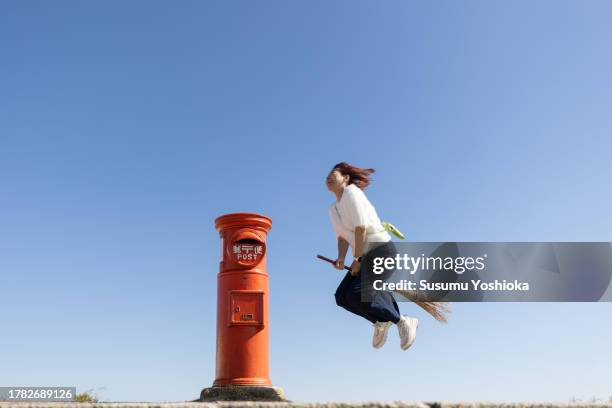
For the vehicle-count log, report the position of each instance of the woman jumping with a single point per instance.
(356, 224)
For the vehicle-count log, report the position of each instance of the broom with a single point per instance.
(437, 310)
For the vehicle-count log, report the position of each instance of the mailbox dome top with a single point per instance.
(243, 219)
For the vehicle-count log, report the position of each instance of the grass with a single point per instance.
(87, 396)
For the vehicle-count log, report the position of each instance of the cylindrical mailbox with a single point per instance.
(242, 301)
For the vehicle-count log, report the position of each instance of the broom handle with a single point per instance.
(331, 261)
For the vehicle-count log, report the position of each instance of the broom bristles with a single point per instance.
(437, 310)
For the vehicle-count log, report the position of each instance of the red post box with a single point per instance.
(242, 355)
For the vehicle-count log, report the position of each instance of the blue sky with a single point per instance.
(127, 127)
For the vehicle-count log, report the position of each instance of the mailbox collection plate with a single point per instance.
(246, 307)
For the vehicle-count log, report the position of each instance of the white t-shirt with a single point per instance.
(353, 210)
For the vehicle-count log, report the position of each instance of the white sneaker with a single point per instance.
(407, 327)
(380, 333)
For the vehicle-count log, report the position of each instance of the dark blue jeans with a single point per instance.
(381, 308)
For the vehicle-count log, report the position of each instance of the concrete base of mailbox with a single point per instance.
(242, 393)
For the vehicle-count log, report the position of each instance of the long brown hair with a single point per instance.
(357, 175)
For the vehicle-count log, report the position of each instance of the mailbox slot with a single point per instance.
(246, 308)
(248, 241)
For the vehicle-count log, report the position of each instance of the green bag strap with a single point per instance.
(393, 229)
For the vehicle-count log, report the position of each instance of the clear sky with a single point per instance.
(127, 127)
